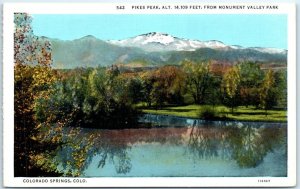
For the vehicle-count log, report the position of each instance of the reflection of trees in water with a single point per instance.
(113, 146)
(250, 144)
(73, 154)
(246, 144)
(204, 142)
(248, 148)
(74, 157)
(117, 155)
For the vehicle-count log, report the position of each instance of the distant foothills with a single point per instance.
(157, 49)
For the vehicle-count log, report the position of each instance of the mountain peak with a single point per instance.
(158, 41)
(154, 37)
(151, 34)
(89, 37)
(215, 44)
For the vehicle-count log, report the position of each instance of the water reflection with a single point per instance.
(250, 144)
(246, 144)
(204, 142)
(117, 155)
(113, 146)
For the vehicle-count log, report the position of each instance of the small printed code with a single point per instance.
(264, 180)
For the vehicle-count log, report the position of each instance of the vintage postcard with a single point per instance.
(149, 95)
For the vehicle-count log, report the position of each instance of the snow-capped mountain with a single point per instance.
(155, 41)
(269, 50)
(155, 49)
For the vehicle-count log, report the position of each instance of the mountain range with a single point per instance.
(154, 49)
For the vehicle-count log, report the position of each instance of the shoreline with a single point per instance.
(224, 118)
(216, 120)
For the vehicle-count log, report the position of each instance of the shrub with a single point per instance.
(208, 113)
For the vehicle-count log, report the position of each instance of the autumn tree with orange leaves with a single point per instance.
(33, 79)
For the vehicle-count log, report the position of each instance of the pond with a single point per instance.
(181, 147)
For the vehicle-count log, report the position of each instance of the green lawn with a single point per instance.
(240, 113)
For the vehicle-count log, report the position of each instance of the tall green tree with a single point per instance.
(267, 93)
(198, 79)
(231, 82)
(147, 80)
(135, 90)
(251, 77)
(281, 88)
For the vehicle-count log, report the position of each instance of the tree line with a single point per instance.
(242, 84)
(106, 97)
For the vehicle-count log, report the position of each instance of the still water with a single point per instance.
(183, 147)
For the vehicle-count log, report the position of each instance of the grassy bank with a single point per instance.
(240, 113)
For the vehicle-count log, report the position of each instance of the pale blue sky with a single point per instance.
(245, 30)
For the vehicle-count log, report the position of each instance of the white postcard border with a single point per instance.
(107, 8)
